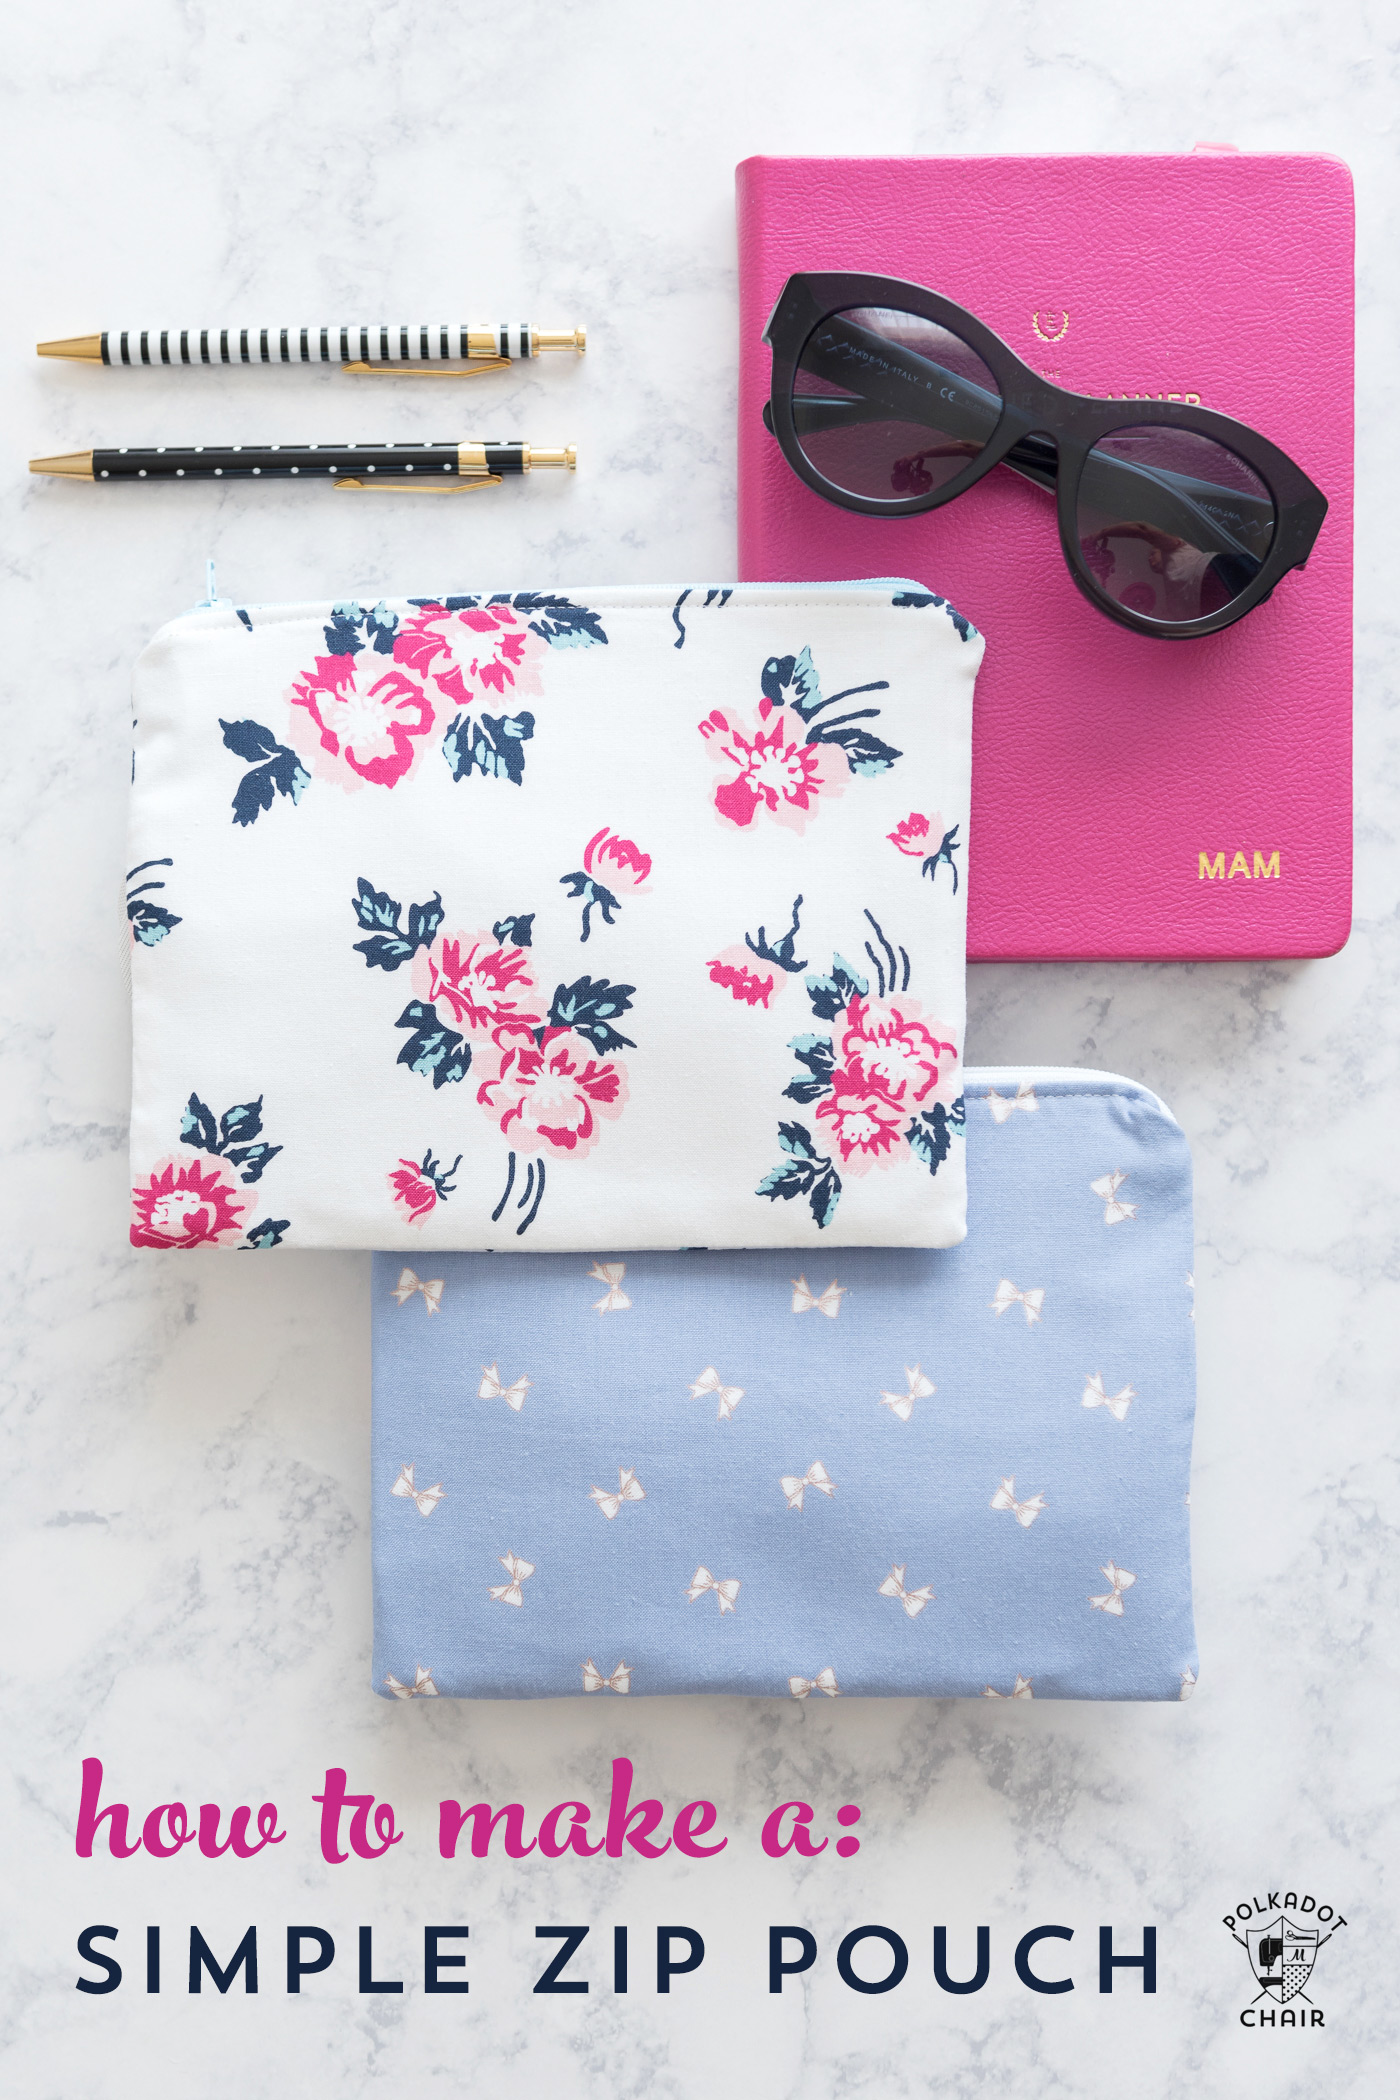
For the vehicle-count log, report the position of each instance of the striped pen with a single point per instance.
(430, 349)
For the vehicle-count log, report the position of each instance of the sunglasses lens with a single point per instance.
(889, 406)
(1172, 525)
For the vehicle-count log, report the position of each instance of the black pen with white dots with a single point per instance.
(441, 469)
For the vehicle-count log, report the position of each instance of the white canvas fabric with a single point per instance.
(552, 920)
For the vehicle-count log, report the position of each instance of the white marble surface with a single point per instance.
(185, 1539)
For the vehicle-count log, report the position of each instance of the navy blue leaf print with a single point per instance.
(388, 947)
(198, 1127)
(343, 631)
(249, 740)
(432, 1050)
(805, 1172)
(282, 774)
(831, 995)
(200, 1130)
(150, 922)
(250, 1160)
(375, 909)
(243, 616)
(865, 754)
(818, 1054)
(965, 627)
(384, 951)
(582, 885)
(424, 921)
(492, 745)
(381, 626)
(557, 621)
(782, 951)
(792, 681)
(589, 1006)
(951, 844)
(932, 1131)
(266, 1233)
(519, 931)
(242, 1122)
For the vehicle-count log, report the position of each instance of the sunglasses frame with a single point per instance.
(1032, 409)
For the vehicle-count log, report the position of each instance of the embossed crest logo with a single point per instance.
(1049, 327)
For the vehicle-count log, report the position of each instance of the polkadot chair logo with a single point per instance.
(1283, 1934)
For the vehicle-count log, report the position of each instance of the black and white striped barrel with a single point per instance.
(380, 343)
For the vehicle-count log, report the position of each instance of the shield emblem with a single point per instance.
(1281, 1955)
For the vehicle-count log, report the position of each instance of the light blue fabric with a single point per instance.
(611, 1390)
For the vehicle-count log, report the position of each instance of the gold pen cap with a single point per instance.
(86, 347)
(559, 339)
(75, 466)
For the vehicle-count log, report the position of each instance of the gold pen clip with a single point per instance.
(458, 486)
(484, 358)
(479, 365)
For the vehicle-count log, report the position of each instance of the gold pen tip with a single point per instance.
(75, 466)
(86, 347)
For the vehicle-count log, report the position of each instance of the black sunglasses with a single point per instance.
(890, 400)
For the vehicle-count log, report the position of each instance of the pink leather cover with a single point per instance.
(1105, 763)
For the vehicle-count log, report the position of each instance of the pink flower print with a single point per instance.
(617, 861)
(770, 769)
(419, 1185)
(551, 1094)
(188, 1203)
(899, 1050)
(359, 718)
(471, 652)
(918, 835)
(478, 983)
(732, 969)
(866, 1126)
(912, 835)
(621, 862)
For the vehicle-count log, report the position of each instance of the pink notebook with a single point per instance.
(1131, 797)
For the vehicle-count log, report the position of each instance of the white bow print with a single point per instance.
(1002, 1107)
(804, 1300)
(610, 1273)
(1188, 1684)
(1108, 1186)
(426, 1498)
(519, 1571)
(1112, 1600)
(912, 1600)
(1020, 1690)
(491, 1388)
(408, 1283)
(422, 1686)
(816, 1476)
(726, 1592)
(824, 1681)
(1096, 1396)
(1008, 1295)
(1025, 1512)
(729, 1395)
(920, 1388)
(595, 1681)
(629, 1489)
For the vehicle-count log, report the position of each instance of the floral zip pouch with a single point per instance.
(553, 919)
